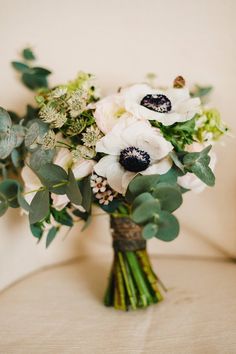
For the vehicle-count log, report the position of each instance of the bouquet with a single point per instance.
(133, 154)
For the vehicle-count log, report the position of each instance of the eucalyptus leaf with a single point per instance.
(54, 177)
(19, 131)
(169, 196)
(21, 200)
(9, 188)
(62, 217)
(204, 173)
(141, 184)
(34, 81)
(3, 204)
(5, 121)
(20, 66)
(7, 144)
(32, 134)
(146, 211)
(168, 226)
(28, 54)
(37, 230)
(141, 199)
(149, 230)
(39, 207)
(72, 189)
(41, 71)
(41, 157)
(86, 191)
(15, 158)
(51, 235)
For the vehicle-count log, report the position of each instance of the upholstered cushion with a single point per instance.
(59, 311)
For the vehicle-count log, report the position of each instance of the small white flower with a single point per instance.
(189, 180)
(91, 136)
(132, 147)
(98, 183)
(78, 102)
(165, 106)
(49, 140)
(105, 198)
(59, 92)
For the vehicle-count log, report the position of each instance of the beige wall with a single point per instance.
(120, 41)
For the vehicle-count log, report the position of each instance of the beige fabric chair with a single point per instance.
(59, 311)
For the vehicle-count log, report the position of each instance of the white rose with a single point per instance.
(108, 111)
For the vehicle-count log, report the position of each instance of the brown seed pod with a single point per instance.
(179, 82)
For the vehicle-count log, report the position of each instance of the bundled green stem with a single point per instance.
(132, 283)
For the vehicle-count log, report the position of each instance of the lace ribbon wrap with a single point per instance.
(126, 235)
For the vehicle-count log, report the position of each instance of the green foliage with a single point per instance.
(141, 184)
(5, 121)
(32, 77)
(62, 217)
(53, 177)
(201, 91)
(72, 189)
(209, 124)
(153, 199)
(168, 195)
(168, 226)
(9, 188)
(198, 163)
(3, 204)
(51, 235)
(39, 207)
(150, 230)
(179, 134)
(11, 136)
(85, 189)
(37, 230)
(27, 54)
(41, 157)
(146, 211)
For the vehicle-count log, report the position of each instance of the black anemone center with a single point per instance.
(157, 103)
(134, 159)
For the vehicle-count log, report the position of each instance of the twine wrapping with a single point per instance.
(126, 235)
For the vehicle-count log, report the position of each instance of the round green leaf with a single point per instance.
(149, 231)
(168, 226)
(41, 157)
(20, 134)
(169, 196)
(146, 211)
(5, 121)
(141, 184)
(9, 188)
(144, 197)
(8, 142)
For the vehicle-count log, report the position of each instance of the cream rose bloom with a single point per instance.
(189, 180)
(108, 111)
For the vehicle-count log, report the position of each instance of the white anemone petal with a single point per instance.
(103, 165)
(160, 167)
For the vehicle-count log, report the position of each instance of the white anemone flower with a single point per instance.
(132, 147)
(190, 180)
(80, 168)
(165, 106)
